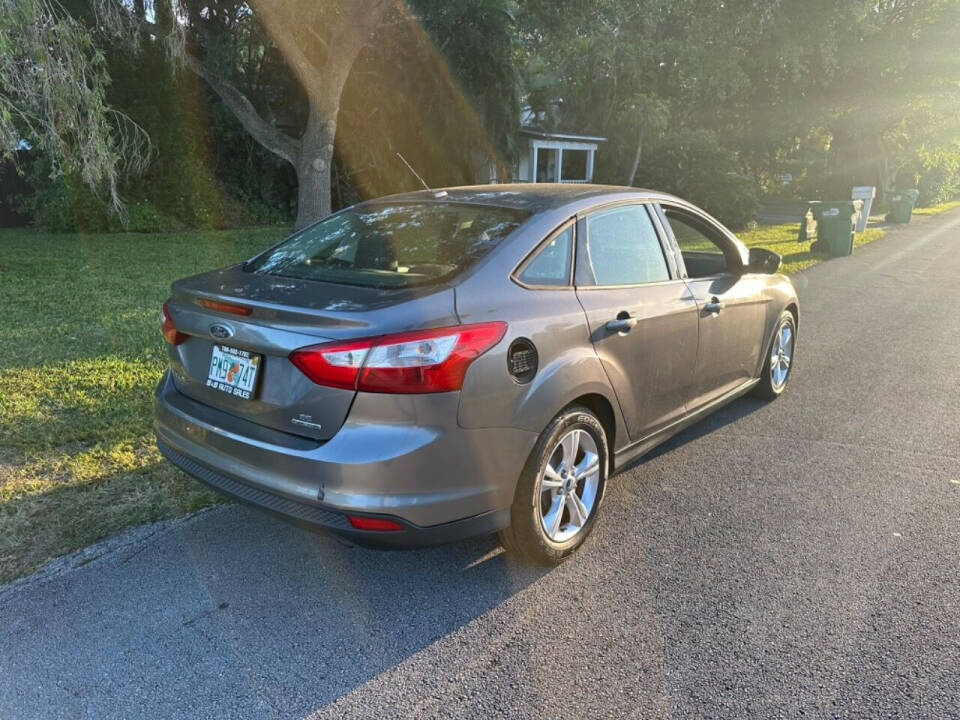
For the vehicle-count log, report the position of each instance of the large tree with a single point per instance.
(318, 42)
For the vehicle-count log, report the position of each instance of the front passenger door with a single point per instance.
(642, 317)
(730, 303)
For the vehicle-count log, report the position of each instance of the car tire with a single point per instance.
(774, 378)
(546, 522)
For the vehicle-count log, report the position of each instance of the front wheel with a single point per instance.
(559, 491)
(779, 359)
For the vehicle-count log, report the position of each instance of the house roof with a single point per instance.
(534, 132)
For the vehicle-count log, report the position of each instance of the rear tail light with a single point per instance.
(369, 523)
(170, 332)
(223, 307)
(422, 361)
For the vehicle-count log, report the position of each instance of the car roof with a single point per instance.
(532, 197)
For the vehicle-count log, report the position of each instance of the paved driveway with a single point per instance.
(774, 560)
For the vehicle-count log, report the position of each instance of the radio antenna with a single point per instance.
(415, 174)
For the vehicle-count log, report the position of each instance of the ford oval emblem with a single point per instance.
(219, 330)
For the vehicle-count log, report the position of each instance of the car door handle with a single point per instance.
(621, 324)
(714, 306)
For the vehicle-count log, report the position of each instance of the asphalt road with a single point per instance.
(797, 558)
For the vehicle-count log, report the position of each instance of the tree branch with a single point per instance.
(262, 131)
(281, 28)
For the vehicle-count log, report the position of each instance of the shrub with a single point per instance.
(64, 204)
(935, 174)
(939, 183)
(695, 165)
(143, 217)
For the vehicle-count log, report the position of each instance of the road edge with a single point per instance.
(129, 539)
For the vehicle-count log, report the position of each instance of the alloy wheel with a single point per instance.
(781, 354)
(568, 485)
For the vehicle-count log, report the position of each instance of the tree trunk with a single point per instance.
(885, 177)
(636, 159)
(313, 166)
(312, 154)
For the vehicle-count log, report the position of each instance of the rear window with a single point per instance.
(391, 245)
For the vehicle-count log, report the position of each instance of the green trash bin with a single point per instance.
(836, 226)
(901, 206)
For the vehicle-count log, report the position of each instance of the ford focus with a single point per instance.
(440, 364)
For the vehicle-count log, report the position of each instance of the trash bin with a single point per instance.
(836, 227)
(901, 206)
(866, 193)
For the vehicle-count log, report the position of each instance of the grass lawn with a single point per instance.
(782, 239)
(937, 209)
(80, 354)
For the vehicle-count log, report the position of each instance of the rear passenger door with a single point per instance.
(642, 316)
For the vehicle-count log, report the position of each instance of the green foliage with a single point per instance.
(62, 203)
(936, 175)
(143, 217)
(441, 89)
(697, 166)
(835, 92)
(53, 81)
(868, 97)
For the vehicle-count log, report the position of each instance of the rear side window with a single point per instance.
(623, 248)
(551, 265)
(380, 245)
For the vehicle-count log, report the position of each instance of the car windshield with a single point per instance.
(396, 245)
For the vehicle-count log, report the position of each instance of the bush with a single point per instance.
(143, 217)
(696, 166)
(935, 174)
(63, 204)
(939, 183)
(66, 204)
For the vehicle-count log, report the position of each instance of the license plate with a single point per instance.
(233, 371)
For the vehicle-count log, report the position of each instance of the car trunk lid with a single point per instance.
(283, 315)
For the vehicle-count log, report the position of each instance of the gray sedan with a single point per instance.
(440, 364)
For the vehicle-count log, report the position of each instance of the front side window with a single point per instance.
(551, 264)
(623, 248)
(702, 253)
(391, 246)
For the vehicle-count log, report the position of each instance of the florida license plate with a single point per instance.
(233, 371)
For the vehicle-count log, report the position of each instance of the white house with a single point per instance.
(557, 157)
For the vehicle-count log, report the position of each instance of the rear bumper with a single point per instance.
(399, 457)
(319, 518)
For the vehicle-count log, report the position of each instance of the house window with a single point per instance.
(574, 168)
(546, 165)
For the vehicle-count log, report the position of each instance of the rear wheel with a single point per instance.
(558, 495)
(779, 359)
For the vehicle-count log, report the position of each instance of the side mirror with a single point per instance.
(763, 261)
